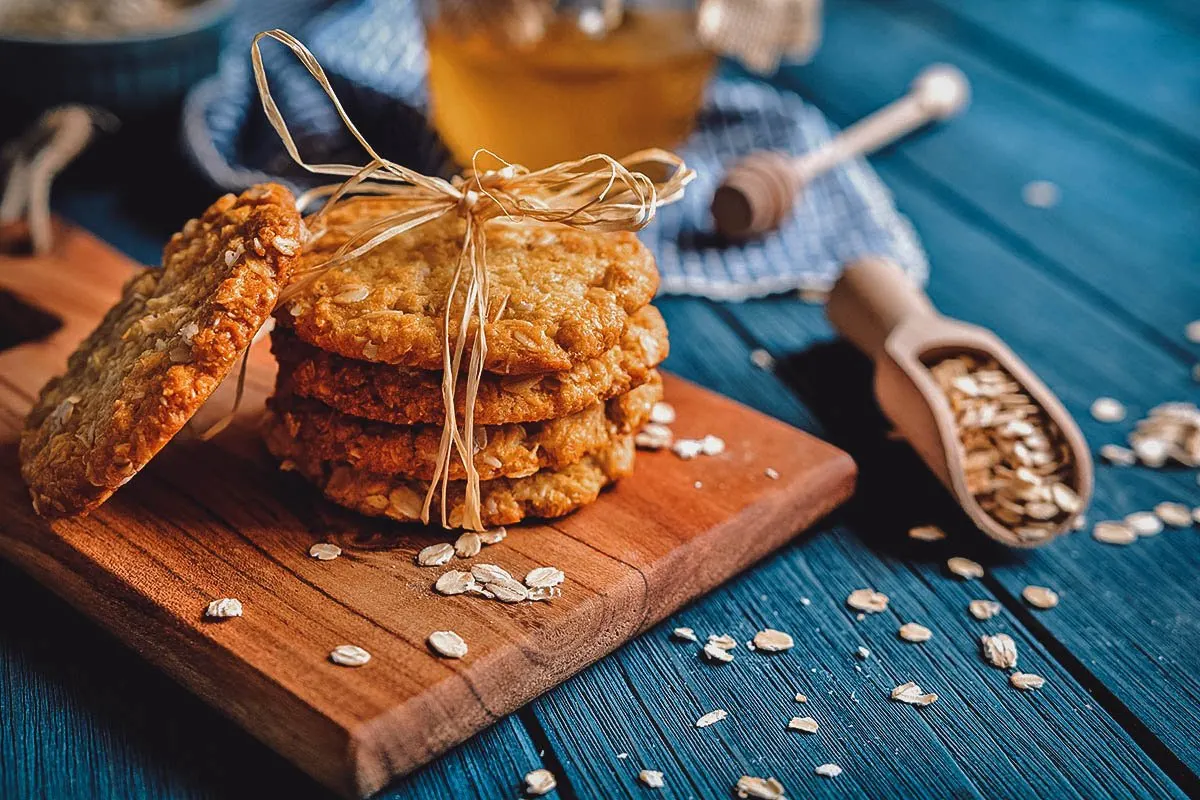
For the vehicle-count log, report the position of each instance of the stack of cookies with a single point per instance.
(572, 346)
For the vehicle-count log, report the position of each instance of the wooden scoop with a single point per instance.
(758, 192)
(882, 313)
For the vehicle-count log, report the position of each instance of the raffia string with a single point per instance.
(596, 193)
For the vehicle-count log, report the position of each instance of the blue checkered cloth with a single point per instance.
(373, 52)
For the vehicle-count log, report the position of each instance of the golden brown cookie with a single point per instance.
(160, 351)
(505, 451)
(409, 397)
(503, 501)
(558, 296)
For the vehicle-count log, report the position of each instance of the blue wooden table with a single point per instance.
(1102, 97)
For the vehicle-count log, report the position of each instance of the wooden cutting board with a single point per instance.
(218, 519)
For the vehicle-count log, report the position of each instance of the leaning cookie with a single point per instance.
(502, 451)
(559, 296)
(503, 501)
(160, 351)
(411, 396)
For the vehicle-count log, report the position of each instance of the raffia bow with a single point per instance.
(596, 193)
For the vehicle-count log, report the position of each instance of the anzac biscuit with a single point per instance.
(410, 397)
(503, 501)
(558, 296)
(160, 351)
(503, 451)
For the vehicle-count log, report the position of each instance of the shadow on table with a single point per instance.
(896, 491)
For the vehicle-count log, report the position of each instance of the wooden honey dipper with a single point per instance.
(758, 192)
(877, 307)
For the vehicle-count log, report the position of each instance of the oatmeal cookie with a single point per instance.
(504, 451)
(409, 397)
(160, 351)
(503, 501)
(558, 296)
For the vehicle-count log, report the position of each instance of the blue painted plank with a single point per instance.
(1134, 612)
(1126, 223)
(980, 734)
(1117, 60)
(82, 716)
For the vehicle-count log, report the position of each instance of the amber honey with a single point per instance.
(568, 95)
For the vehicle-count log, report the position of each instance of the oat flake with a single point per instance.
(324, 551)
(714, 652)
(1177, 515)
(999, 649)
(435, 555)
(828, 770)
(712, 717)
(1040, 596)
(540, 782)
(867, 600)
(1144, 523)
(685, 634)
(494, 536)
(224, 608)
(662, 413)
(448, 644)
(468, 545)
(912, 694)
(926, 533)
(1113, 533)
(759, 788)
(914, 632)
(1106, 409)
(803, 724)
(652, 778)
(983, 609)
(1026, 681)
(964, 568)
(773, 641)
(544, 577)
(800, 698)
(349, 655)
(455, 582)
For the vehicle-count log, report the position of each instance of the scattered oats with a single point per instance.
(913, 694)
(1151, 452)
(652, 778)
(1113, 533)
(862, 653)
(867, 600)
(828, 770)
(1040, 596)
(762, 359)
(448, 644)
(964, 568)
(1192, 331)
(1196, 515)
(1026, 681)
(1040, 194)
(494, 536)
(468, 545)
(698, 485)
(983, 609)
(487, 573)
(759, 788)
(539, 782)
(224, 608)
(1079, 523)
(685, 634)
(324, 551)
(773, 641)
(1000, 650)
(771, 473)
(455, 582)
(712, 445)
(349, 655)
(1144, 523)
(1177, 515)
(724, 641)
(687, 449)
(654, 437)
(800, 698)
(926, 533)
(435, 555)
(719, 654)
(663, 413)
(804, 601)
(622, 756)
(1118, 456)
(913, 632)
(803, 724)
(544, 577)
(1106, 409)
(711, 717)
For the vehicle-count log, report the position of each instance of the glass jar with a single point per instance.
(538, 82)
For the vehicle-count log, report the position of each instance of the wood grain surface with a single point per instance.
(209, 520)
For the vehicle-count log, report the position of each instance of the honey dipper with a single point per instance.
(886, 316)
(757, 193)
